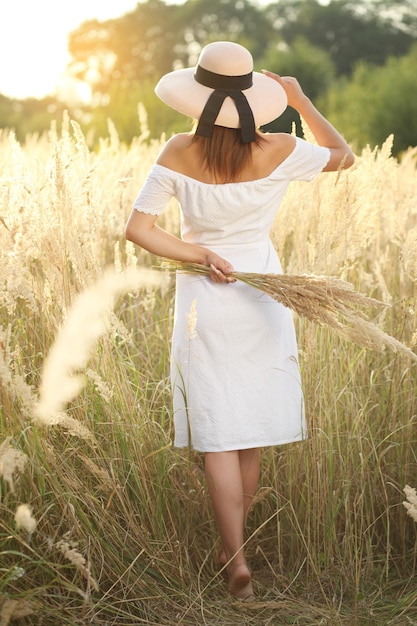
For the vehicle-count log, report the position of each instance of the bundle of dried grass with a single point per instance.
(324, 300)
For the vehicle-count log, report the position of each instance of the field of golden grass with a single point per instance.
(101, 520)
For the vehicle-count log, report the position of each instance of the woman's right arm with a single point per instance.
(142, 230)
(341, 156)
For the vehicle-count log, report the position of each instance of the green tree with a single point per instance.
(123, 110)
(136, 46)
(349, 31)
(233, 20)
(377, 101)
(311, 65)
(156, 38)
(29, 116)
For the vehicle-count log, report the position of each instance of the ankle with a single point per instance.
(236, 557)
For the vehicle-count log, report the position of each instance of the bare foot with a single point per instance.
(221, 564)
(240, 583)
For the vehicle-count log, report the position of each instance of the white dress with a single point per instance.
(234, 362)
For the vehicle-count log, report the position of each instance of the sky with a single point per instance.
(33, 40)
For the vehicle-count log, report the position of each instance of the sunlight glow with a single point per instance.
(33, 43)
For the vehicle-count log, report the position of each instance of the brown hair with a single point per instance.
(224, 154)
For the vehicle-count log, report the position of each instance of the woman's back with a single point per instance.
(185, 156)
(237, 213)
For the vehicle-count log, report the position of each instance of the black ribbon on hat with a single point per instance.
(225, 86)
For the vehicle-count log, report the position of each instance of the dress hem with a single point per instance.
(232, 447)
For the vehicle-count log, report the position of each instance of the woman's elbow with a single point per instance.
(348, 160)
(340, 159)
(139, 228)
(129, 235)
(132, 227)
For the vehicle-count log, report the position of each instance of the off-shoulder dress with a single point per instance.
(234, 362)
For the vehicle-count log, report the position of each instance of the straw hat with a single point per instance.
(225, 68)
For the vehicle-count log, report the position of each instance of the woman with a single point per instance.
(235, 376)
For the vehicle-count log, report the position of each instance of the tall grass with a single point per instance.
(118, 528)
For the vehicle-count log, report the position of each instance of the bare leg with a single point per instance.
(230, 504)
(249, 471)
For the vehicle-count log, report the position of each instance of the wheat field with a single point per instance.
(101, 520)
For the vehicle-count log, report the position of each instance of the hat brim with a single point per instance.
(184, 94)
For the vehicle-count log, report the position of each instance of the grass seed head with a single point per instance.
(11, 461)
(24, 519)
(411, 502)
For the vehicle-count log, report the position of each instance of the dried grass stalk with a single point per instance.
(324, 300)
(70, 550)
(86, 321)
(12, 609)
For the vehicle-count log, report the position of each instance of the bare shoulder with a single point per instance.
(173, 149)
(274, 149)
(281, 143)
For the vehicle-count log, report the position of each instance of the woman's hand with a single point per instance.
(219, 269)
(295, 95)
